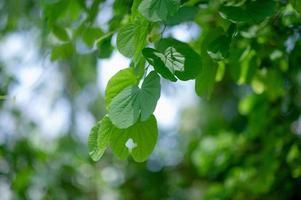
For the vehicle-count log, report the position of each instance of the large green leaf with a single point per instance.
(133, 102)
(132, 37)
(118, 82)
(251, 11)
(138, 140)
(99, 138)
(158, 10)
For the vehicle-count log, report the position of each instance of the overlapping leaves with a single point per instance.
(173, 58)
(129, 127)
(133, 102)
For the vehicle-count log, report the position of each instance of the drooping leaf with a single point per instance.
(158, 10)
(118, 82)
(133, 102)
(132, 37)
(99, 138)
(251, 11)
(138, 140)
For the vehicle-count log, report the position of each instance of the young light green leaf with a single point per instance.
(138, 140)
(133, 102)
(251, 11)
(99, 138)
(158, 10)
(178, 53)
(132, 38)
(118, 82)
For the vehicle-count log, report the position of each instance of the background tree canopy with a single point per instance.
(153, 137)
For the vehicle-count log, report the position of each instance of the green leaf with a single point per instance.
(105, 48)
(62, 52)
(118, 82)
(132, 38)
(251, 11)
(60, 33)
(138, 140)
(204, 82)
(154, 58)
(133, 102)
(99, 138)
(90, 35)
(158, 10)
(172, 60)
(177, 58)
(219, 48)
(297, 5)
(184, 14)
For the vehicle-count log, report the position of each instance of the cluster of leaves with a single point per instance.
(130, 107)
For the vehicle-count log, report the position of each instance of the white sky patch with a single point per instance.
(109, 67)
(184, 32)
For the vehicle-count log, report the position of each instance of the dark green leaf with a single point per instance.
(192, 60)
(251, 11)
(153, 57)
(184, 14)
(219, 48)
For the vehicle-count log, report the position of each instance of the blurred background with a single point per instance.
(242, 143)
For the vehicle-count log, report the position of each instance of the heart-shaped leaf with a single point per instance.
(133, 102)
